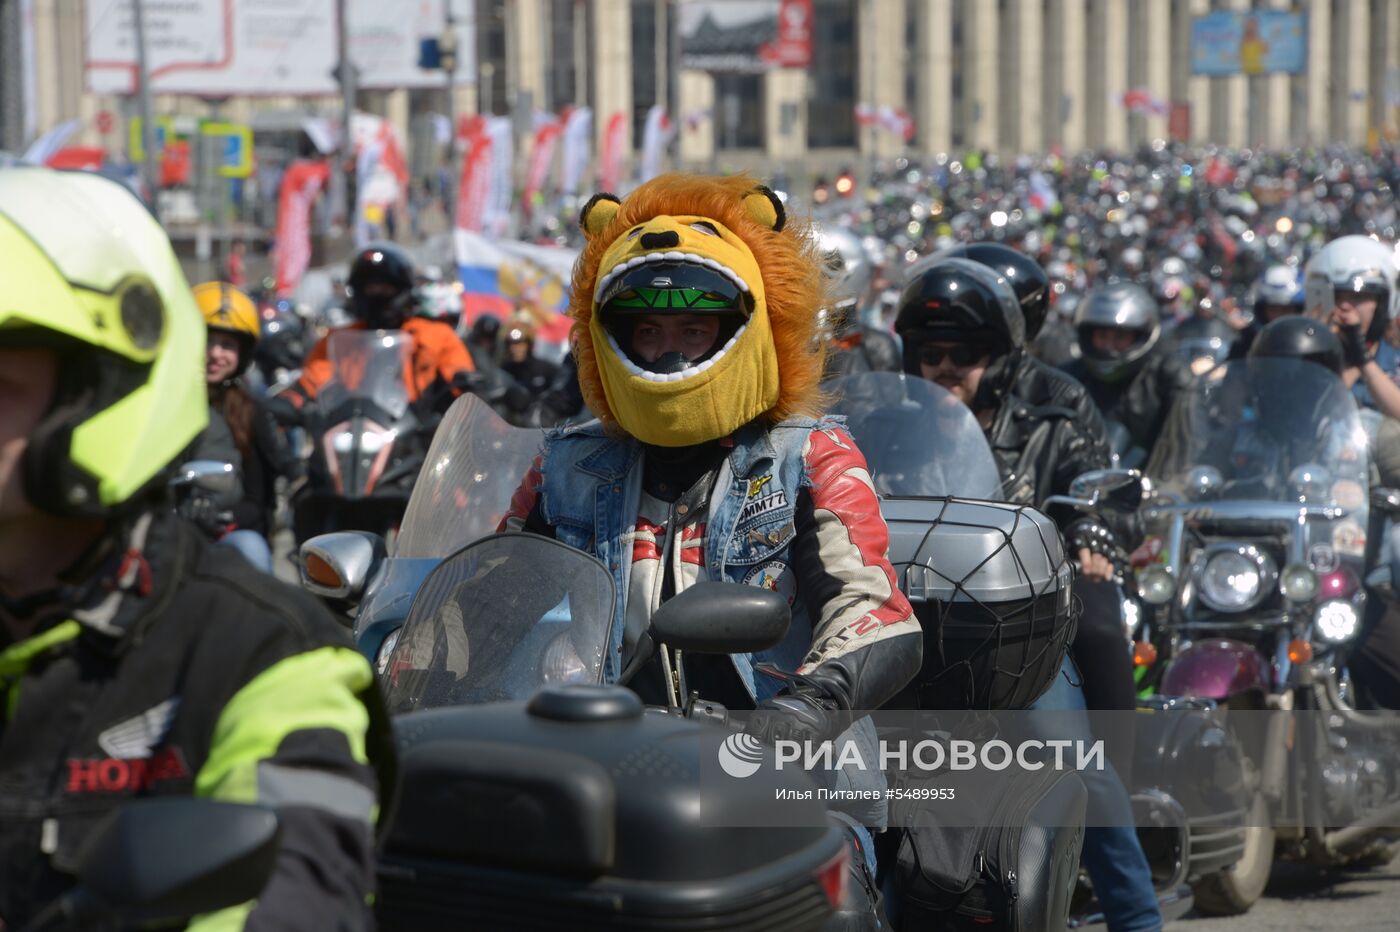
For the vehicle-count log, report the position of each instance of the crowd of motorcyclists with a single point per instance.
(1070, 327)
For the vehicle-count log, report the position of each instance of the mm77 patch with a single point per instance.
(755, 507)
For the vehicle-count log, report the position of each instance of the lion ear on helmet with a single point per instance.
(764, 205)
(598, 213)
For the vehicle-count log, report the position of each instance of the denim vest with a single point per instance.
(591, 492)
(590, 495)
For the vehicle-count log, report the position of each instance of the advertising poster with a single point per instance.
(223, 48)
(1249, 42)
(745, 36)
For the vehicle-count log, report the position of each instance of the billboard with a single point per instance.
(1249, 42)
(745, 36)
(222, 48)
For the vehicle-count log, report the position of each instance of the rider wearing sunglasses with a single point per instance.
(963, 327)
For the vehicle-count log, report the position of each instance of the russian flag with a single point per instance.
(501, 276)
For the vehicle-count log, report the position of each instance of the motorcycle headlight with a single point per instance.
(1235, 577)
(1298, 583)
(1337, 621)
(1156, 585)
(381, 657)
(1311, 482)
(561, 663)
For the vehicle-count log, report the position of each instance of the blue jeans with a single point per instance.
(1112, 854)
(252, 545)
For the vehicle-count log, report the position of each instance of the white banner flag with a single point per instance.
(578, 138)
(655, 137)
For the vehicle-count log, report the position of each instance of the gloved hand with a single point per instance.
(485, 385)
(283, 411)
(205, 514)
(802, 712)
(1088, 534)
(1354, 351)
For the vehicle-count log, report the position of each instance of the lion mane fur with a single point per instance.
(793, 284)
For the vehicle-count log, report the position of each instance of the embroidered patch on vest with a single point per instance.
(776, 577)
(762, 506)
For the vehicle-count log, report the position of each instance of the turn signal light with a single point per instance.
(1299, 651)
(321, 573)
(834, 876)
(1144, 654)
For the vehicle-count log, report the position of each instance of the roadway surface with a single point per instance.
(1303, 897)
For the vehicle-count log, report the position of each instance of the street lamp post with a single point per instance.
(447, 60)
(148, 128)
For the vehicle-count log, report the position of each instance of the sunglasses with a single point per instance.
(962, 354)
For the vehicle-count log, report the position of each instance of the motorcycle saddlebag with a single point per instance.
(990, 585)
(1014, 870)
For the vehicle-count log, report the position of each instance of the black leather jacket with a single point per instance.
(1045, 433)
(876, 351)
(1140, 403)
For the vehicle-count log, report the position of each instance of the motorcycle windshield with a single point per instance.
(475, 463)
(917, 437)
(497, 621)
(370, 365)
(1266, 429)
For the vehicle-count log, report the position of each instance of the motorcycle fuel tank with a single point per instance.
(1215, 669)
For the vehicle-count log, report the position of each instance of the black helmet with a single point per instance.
(484, 331)
(959, 300)
(1027, 278)
(386, 263)
(1299, 338)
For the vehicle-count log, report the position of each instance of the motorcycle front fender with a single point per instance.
(1216, 669)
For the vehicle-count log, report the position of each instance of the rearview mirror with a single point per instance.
(722, 618)
(1386, 500)
(212, 476)
(1120, 489)
(171, 859)
(338, 565)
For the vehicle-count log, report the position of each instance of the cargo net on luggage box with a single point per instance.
(997, 623)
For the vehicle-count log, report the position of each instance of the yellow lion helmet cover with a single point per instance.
(690, 244)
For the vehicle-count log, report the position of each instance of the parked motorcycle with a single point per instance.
(367, 440)
(1260, 524)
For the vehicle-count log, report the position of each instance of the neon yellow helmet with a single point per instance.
(85, 269)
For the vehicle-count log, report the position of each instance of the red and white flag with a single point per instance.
(484, 194)
(541, 157)
(475, 184)
(577, 149)
(611, 171)
(301, 182)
